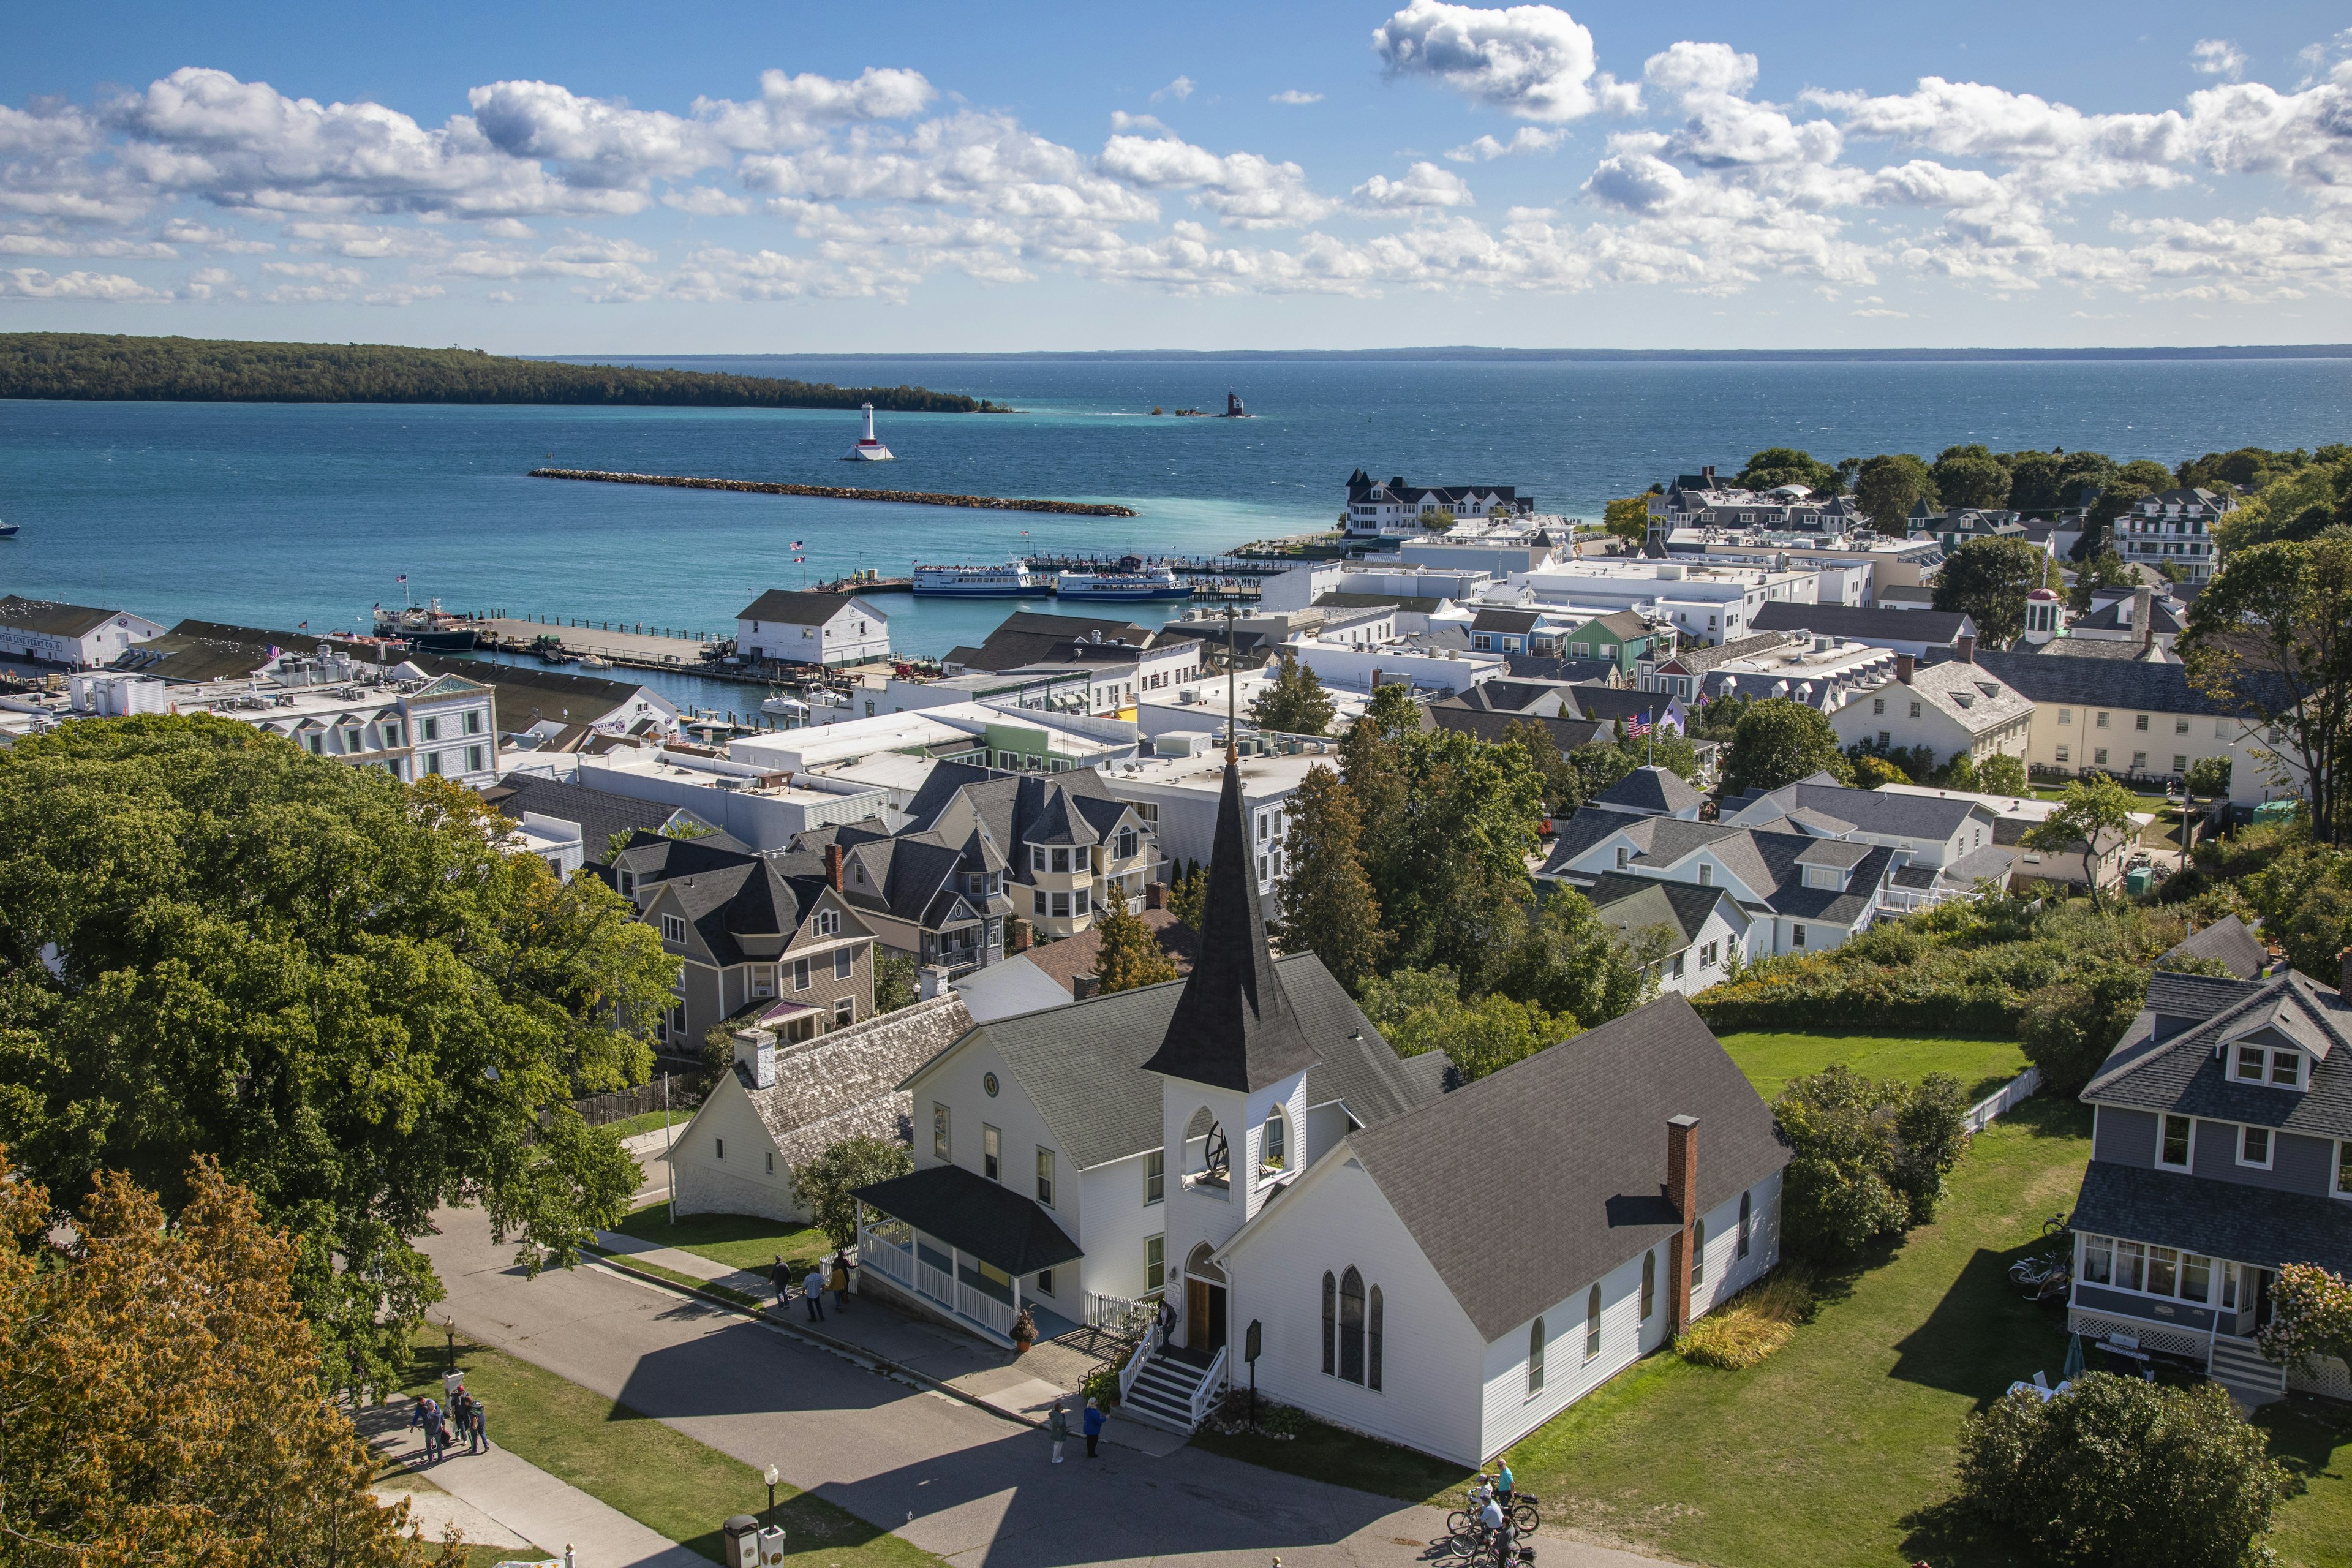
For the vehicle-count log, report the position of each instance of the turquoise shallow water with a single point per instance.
(276, 515)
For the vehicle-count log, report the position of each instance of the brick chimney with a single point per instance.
(1904, 665)
(1707, 475)
(833, 867)
(1155, 895)
(1682, 1196)
(2144, 615)
(2344, 972)
(1085, 986)
(1964, 647)
(1016, 936)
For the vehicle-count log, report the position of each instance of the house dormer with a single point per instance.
(2276, 1047)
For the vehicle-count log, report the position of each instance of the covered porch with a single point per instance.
(963, 1246)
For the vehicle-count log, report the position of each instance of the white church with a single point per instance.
(1446, 1266)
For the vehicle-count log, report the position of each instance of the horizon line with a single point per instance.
(1476, 351)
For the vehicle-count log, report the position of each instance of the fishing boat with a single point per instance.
(8, 530)
(1009, 581)
(592, 662)
(1161, 582)
(427, 626)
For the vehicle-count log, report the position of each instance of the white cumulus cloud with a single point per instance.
(2218, 56)
(1424, 186)
(1534, 61)
(1526, 139)
(1296, 95)
(1180, 90)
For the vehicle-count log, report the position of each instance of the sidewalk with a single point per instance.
(1023, 1388)
(521, 1501)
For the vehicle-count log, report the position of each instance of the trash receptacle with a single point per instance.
(771, 1547)
(2139, 880)
(743, 1541)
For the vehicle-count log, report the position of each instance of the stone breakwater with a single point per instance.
(842, 492)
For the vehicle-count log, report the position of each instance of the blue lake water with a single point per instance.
(272, 514)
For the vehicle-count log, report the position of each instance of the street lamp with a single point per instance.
(771, 1477)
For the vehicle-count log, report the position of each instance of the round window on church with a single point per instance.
(988, 1082)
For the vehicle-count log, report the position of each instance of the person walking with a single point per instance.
(781, 1278)
(478, 1428)
(839, 1282)
(1058, 1423)
(1166, 1320)
(812, 1291)
(1093, 1425)
(428, 1415)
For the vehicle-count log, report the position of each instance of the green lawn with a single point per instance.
(648, 1122)
(1839, 1449)
(738, 1241)
(1770, 1060)
(658, 1477)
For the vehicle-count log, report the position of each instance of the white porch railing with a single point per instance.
(2010, 1095)
(896, 1262)
(1120, 1316)
(1212, 1383)
(1135, 1361)
(983, 1307)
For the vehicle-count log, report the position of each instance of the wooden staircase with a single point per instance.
(2238, 1366)
(1164, 1391)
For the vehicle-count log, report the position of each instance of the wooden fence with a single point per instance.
(621, 1104)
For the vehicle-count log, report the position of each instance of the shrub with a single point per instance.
(2068, 1028)
(2116, 1470)
(2311, 1318)
(1752, 1326)
(826, 1184)
(1101, 1385)
(1871, 1156)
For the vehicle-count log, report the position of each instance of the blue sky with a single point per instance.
(721, 178)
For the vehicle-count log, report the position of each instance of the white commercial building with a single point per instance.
(71, 636)
(1705, 604)
(783, 628)
(1178, 797)
(763, 809)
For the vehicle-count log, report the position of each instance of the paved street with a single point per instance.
(953, 1479)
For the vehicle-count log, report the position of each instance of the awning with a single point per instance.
(973, 1214)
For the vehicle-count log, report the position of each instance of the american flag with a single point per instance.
(1639, 726)
(302, 625)
(401, 578)
(800, 558)
(800, 544)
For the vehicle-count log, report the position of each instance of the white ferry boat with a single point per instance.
(1159, 583)
(1012, 580)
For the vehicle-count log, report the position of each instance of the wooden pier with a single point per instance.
(841, 492)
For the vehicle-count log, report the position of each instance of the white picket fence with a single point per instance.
(2013, 1093)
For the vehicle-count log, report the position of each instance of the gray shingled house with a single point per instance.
(2222, 1150)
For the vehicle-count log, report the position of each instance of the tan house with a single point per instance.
(761, 938)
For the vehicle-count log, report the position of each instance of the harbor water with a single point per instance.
(274, 515)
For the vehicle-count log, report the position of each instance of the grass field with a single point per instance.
(658, 1477)
(1770, 1060)
(649, 1122)
(738, 1241)
(1838, 1450)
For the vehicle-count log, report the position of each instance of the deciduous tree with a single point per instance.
(1779, 742)
(1777, 465)
(1988, 580)
(160, 1390)
(826, 1185)
(1886, 487)
(1869, 1158)
(2273, 638)
(1969, 476)
(1628, 518)
(1328, 904)
(1294, 703)
(340, 986)
(2096, 812)
(2311, 1318)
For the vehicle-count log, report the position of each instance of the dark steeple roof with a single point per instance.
(1233, 1026)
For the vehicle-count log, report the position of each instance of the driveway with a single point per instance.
(957, 1481)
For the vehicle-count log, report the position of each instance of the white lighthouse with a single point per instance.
(868, 449)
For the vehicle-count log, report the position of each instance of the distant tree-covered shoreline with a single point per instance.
(96, 366)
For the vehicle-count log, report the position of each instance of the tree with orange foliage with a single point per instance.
(160, 1398)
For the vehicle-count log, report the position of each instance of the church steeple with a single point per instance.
(1234, 1028)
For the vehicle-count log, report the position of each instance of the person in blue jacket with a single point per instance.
(1093, 1425)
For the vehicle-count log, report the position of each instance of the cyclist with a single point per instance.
(1504, 1481)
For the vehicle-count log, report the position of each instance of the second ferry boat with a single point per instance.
(1011, 581)
(1157, 583)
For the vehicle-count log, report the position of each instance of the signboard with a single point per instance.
(1250, 1341)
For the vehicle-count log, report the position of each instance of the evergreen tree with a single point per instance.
(1130, 954)
(1187, 895)
(1296, 702)
(1327, 905)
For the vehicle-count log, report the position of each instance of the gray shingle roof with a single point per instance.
(1083, 1065)
(2220, 1219)
(788, 608)
(1896, 815)
(2105, 683)
(1512, 621)
(1857, 624)
(2152, 1071)
(600, 812)
(1567, 734)
(2229, 940)
(1632, 904)
(1652, 789)
(49, 617)
(1572, 1141)
(847, 1084)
